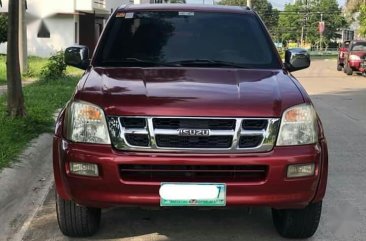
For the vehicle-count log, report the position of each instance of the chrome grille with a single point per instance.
(197, 173)
(163, 134)
(173, 141)
(177, 123)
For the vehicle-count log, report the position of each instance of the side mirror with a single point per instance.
(296, 59)
(77, 56)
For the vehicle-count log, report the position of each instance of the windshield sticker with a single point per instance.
(186, 13)
(129, 15)
(120, 15)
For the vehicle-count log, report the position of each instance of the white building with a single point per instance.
(53, 25)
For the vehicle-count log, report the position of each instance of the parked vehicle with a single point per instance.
(342, 51)
(189, 105)
(355, 57)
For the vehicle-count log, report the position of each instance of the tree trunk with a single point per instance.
(23, 52)
(15, 93)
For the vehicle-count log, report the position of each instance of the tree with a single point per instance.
(262, 7)
(353, 5)
(290, 22)
(15, 106)
(362, 19)
(3, 28)
(307, 14)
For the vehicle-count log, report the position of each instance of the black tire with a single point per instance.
(76, 221)
(348, 70)
(339, 67)
(297, 223)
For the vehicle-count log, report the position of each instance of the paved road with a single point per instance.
(341, 102)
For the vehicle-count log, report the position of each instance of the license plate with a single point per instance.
(192, 194)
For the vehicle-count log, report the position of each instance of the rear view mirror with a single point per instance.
(77, 56)
(296, 59)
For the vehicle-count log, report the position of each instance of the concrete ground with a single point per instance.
(341, 103)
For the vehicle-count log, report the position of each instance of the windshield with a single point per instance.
(174, 38)
(361, 46)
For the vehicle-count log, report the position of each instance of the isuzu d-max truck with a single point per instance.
(188, 105)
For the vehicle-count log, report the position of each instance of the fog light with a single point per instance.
(84, 169)
(300, 170)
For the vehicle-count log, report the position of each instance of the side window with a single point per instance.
(43, 31)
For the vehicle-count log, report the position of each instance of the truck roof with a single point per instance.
(185, 7)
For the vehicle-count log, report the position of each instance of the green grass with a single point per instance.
(42, 99)
(35, 66)
(2, 69)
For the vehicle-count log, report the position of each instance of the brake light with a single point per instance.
(354, 58)
(343, 49)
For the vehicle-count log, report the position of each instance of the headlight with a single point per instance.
(86, 123)
(298, 126)
(354, 58)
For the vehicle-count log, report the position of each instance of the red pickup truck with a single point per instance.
(189, 105)
(355, 58)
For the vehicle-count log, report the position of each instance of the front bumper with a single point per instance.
(355, 65)
(111, 190)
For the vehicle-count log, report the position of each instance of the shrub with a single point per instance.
(55, 67)
(281, 52)
(3, 28)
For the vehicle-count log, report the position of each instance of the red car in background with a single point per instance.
(343, 49)
(355, 57)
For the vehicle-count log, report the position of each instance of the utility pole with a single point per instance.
(303, 28)
(249, 3)
(23, 51)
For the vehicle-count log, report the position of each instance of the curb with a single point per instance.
(24, 186)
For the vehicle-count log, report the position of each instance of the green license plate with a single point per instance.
(192, 194)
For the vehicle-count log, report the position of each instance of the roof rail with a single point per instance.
(247, 8)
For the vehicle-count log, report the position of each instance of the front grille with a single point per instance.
(190, 134)
(133, 122)
(172, 141)
(137, 139)
(363, 62)
(250, 141)
(178, 123)
(196, 173)
(255, 124)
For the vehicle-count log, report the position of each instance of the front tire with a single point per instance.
(297, 223)
(76, 221)
(339, 67)
(348, 70)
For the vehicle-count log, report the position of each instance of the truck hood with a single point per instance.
(190, 92)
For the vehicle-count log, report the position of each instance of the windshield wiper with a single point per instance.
(205, 62)
(132, 62)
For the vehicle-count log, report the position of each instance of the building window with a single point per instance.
(43, 31)
(76, 33)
